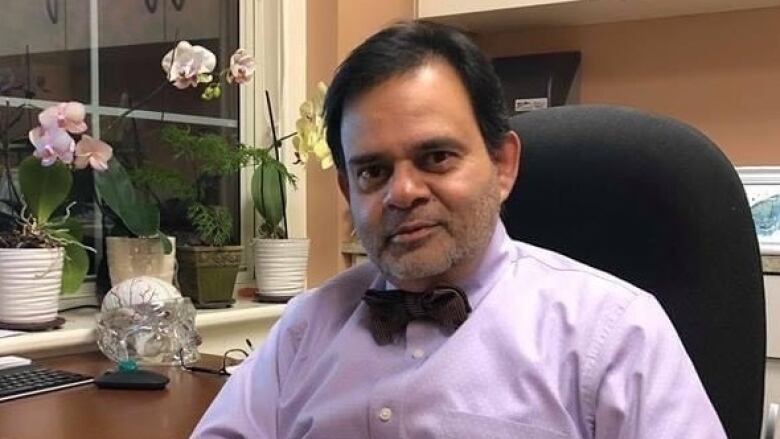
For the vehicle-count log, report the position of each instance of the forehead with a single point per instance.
(429, 101)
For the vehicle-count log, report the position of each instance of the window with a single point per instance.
(106, 54)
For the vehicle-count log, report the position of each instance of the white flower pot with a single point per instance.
(280, 266)
(133, 257)
(30, 284)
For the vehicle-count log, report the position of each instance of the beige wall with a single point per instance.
(334, 27)
(322, 200)
(718, 72)
(358, 19)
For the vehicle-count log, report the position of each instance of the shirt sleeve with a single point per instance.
(646, 386)
(247, 404)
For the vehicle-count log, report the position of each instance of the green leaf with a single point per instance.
(213, 224)
(74, 270)
(76, 264)
(44, 188)
(166, 243)
(73, 228)
(268, 193)
(114, 188)
(160, 180)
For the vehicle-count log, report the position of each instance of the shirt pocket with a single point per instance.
(462, 425)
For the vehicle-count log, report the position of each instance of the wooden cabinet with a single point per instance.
(38, 26)
(498, 15)
(140, 24)
(53, 25)
(441, 8)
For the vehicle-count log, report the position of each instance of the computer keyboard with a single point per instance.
(21, 381)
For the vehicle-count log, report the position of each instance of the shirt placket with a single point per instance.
(422, 338)
(384, 405)
(386, 414)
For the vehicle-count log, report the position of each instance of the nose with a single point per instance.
(407, 188)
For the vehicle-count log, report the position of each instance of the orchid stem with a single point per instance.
(6, 141)
(277, 143)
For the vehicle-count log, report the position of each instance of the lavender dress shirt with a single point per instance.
(553, 349)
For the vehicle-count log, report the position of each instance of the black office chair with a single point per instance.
(653, 201)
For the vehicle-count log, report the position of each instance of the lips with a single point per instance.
(411, 231)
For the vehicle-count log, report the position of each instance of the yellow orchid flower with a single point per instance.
(310, 137)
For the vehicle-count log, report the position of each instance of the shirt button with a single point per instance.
(417, 354)
(385, 414)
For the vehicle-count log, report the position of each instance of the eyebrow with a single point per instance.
(439, 142)
(429, 144)
(364, 159)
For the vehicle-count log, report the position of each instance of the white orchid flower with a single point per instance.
(188, 65)
(242, 67)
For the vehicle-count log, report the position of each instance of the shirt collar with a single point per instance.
(494, 262)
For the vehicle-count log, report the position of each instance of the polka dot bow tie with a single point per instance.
(392, 310)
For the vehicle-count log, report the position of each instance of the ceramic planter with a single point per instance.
(207, 275)
(280, 266)
(133, 257)
(30, 284)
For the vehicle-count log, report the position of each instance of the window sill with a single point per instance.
(78, 332)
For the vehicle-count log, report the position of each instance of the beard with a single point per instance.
(459, 237)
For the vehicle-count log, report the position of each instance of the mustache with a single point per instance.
(394, 223)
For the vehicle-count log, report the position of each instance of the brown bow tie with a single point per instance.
(392, 310)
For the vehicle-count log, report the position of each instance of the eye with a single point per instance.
(438, 160)
(371, 176)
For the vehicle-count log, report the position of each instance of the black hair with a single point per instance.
(403, 47)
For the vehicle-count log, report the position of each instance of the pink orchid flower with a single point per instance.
(242, 67)
(188, 65)
(65, 115)
(51, 144)
(92, 152)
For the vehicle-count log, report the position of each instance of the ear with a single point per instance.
(344, 184)
(507, 162)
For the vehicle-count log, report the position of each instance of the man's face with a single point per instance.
(422, 188)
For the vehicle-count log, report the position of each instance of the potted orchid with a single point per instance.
(279, 281)
(207, 264)
(146, 251)
(40, 251)
(186, 66)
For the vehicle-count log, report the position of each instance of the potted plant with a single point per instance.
(281, 262)
(144, 250)
(207, 264)
(40, 250)
(141, 248)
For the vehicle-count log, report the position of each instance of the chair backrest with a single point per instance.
(653, 201)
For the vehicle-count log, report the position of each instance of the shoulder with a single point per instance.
(554, 277)
(612, 324)
(548, 296)
(596, 309)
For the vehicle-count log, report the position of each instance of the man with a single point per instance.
(542, 347)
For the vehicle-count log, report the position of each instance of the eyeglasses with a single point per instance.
(229, 356)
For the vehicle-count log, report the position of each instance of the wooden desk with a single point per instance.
(88, 412)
